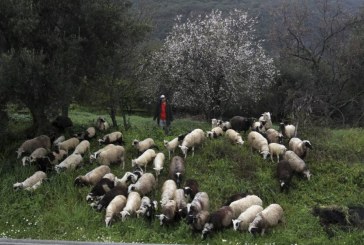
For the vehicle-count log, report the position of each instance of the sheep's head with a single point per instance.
(307, 144)
(162, 218)
(101, 141)
(18, 186)
(79, 181)
(207, 229)
(20, 152)
(135, 142)
(239, 140)
(131, 188)
(124, 215)
(236, 224)
(307, 174)
(184, 149)
(255, 227)
(25, 161)
(165, 143)
(265, 154)
(108, 221)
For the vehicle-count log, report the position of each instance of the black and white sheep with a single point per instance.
(72, 162)
(88, 134)
(244, 203)
(198, 221)
(214, 133)
(297, 164)
(288, 131)
(69, 144)
(177, 169)
(276, 149)
(259, 143)
(126, 179)
(239, 123)
(191, 188)
(132, 205)
(92, 177)
(147, 208)
(105, 185)
(300, 147)
(143, 145)
(267, 218)
(112, 138)
(224, 125)
(284, 175)
(144, 185)
(158, 163)
(108, 197)
(246, 217)
(234, 137)
(192, 140)
(36, 154)
(144, 159)
(28, 146)
(114, 208)
(32, 182)
(218, 220)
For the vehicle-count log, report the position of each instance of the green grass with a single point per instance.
(58, 210)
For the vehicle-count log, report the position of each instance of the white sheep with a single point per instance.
(92, 177)
(276, 149)
(112, 155)
(171, 146)
(143, 145)
(200, 202)
(101, 124)
(158, 163)
(88, 134)
(234, 137)
(215, 123)
(114, 208)
(191, 140)
(266, 117)
(69, 144)
(259, 143)
(181, 201)
(300, 147)
(246, 217)
(297, 164)
(32, 182)
(168, 190)
(273, 136)
(288, 131)
(82, 147)
(144, 185)
(169, 211)
(144, 159)
(267, 218)
(112, 138)
(244, 203)
(29, 146)
(132, 205)
(93, 156)
(59, 140)
(70, 163)
(36, 154)
(214, 133)
(224, 125)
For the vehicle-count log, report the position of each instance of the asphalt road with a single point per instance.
(49, 242)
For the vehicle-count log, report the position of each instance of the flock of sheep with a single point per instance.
(129, 196)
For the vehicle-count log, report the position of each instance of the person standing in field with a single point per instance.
(163, 114)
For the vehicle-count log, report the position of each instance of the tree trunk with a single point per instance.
(41, 123)
(4, 120)
(113, 116)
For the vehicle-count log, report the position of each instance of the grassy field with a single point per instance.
(58, 210)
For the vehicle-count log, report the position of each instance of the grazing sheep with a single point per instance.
(70, 163)
(31, 183)
(266, 117)
(114, 208)
(169, 211)
(82, 147)
(69, 144)
(218, 220)
(234, 197)
(109, 196)
(171, 146)
(128, 176)
(47, 163)
(297, 164)
(276, 149)
(94, 155)
(132, 205)
(92, 177)
(215, 123)
(179, 197)
(199, 203)
(246, 217)
(192, 140)
(158, 164)
(259, 143)
(214, 133)
(144, 185)
(88, 134)
(239, 123)
(112, 155)
(273, 136)
(234, 137)
(191, 189)
(59, 140)
(168, 190)
(103, 186)
(300, 147)
(177, 169)
(147, 208)
(224, 125)
(284, 174)
(101, 124)
(144, 145)
(144, 159)
(198, 221)
(112, 138)
(267, 218)
(36, 154)
(259, 127)
(243, 204)
(31, 145)
(288, 131)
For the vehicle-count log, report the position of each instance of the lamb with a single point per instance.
(246, 217)
(82, 147)
(31, 183)
(103, 186)
(108, 197)
(234, 137)
(114, 208)
(31, 145)
(69, 144)
(112, 138)
(243, 204)
(198, 221)
(214, 133)
(273, 136)
(258, 142)
(193, 139)
(101, 124)
(224, 125)
(266, 117)
(88, 134)
(147, 208)
(144, 145)
(297, 164)
(177, 169)
(71, 162)
(218, 220)
(300, 147)
(94, 155)
(112, 155)
(36, 154)
(267, 218)
(168, 190)
(259, 126)
(239, 123)
(59, 140)
(288, 131)
(276, 149)
(191, 189)
(284, 174)
(92, 177)
(171, 146)
(158, 164)
(132, 205)
(144, 159)
(144, 185)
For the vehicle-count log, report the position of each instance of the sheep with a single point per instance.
(158, 164)
(259, 126)
(177, 169)
(101, 124)
(199, 203)
(112, 138)
(144, 145)
(246, 217)
(92, 177)
(297, 164)
(215, 122)
(32, 182)
(193, 139)
(59, 140)
(267, 218)
(218, 220)
(171, 146)
(273, 136)
(284, 174)
(224, 125)
(144, 159)
(88, 134)
(100, 188)
(114, 208)
(132, 205)
(144, 185)
(71, 162)
(108, 197)
(300, 147)
(239, 123)
(169, 211)
(243, 204)
(288, 131)
(125, 179)
(82, 147)
(266, 117)
(48, 162)
(69, 144)
(258, 142)
(31, 145)
(179, 197)
(276, 149)
(234, 137)
(112, 155)
(214, 133)
(147, 208)
(191, 189)
(198, 221)
(36, 154)
(168, 190)
(94, 155)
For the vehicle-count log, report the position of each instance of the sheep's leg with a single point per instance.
(169, 155)
(193, 151)
(277, 158)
